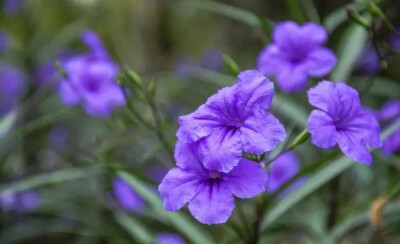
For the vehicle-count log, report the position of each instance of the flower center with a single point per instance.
(92, 85)
(215, 175)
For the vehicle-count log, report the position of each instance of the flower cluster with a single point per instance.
(210, 168)
(390, 113)
(341, 119)
(91, 79)
(296, 54)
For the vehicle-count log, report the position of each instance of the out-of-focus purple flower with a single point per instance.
(25, 201)
(127, 197)
(11, 82)
(232, 121)
(296, 54)
(92, 80)
(58, 137)
(212, 59)
(394, 40)
(208, 192)
(369, 62)
(341, 119)
(184, 67)
(13, 6)
(47, 71)
(283, 169)
(390, 112)
(169, 238)
(4, 41)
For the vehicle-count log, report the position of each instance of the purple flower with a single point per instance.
(369, 62)
(391, 113)
(25, 201)
(91, 80)
(232, 121)
(296, 54)
(394, 40)
(169, 238)
(341, 119)
(208, 192)
(46, 71)
(212, 59)
(184, 67)
(13, 6)
(283, 169)
(11, 81)
(58, 137)
(4, 41)
(127, 197)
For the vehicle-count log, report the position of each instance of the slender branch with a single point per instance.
(158, 130)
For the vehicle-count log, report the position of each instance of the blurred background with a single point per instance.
(59, 165)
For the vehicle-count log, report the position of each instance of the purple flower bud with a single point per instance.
(169, 238)
(11, 82)
(126, 196)
(390, 112)
(212, 59)
(369, 62)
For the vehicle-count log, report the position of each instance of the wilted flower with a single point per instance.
(341, 119)
(25, 201)
(169, 238)
(11, 82)
(283, 169)
(390, 112)
(92, 79)
(296, 54)
(126, 196)
(232, 121)
(208, 192)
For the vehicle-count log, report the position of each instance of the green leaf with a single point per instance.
(311, 10)
(134, 228)
(382, 86)
(313, 182)
(241, 15)
(36, 124)
(51, 177)
(338, 17)
(295, 10)
(350, 47)
(291, 110)
(192, 231)
(7, 122)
